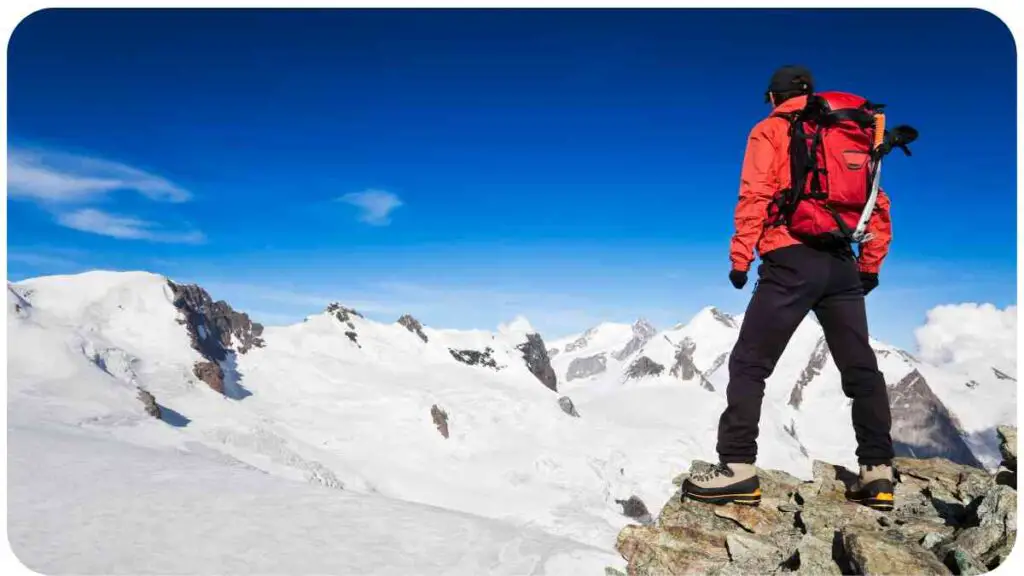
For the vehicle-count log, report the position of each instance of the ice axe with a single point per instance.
(884, 142)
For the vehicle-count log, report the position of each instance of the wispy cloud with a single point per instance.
(375, 205)
(67, 185)
(57, 177)
(124, 227)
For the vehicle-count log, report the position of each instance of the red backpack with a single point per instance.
(837, 142)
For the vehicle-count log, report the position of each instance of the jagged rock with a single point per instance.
(535, 354)
(972, 384)
(1008, 446)
(756, 554)
(754, 519)
(643, 331)
(791, 431)
(475, 357)
(932, 539)
(214, 327)
(581, 342)
(962, 563)
(818, 359)
(922, 427)
(684, 367)
(991, 540)
(1003, 375)
(440, 418)
(814, 557)
(211, 373)
(586, 367)
(634, 508)
(353, 337)
(644, 366)
(723, 318)
(674, 550)
(719, 361)
(963, 483)
(565, 403)
(149, 402)
(413, 325)
(343, 314)
(888, 552)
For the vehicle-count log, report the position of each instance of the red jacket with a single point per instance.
(765, 172)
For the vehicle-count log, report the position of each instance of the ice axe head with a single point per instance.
(899, 137)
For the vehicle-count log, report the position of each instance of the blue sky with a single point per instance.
(572, 166)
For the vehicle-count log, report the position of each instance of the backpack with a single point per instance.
(837, 142)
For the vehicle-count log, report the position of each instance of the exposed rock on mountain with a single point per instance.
(634, 508)
(922, 427)
(643, 366)
(818, 359)
(440, 418)
(343, 314)
(537, 361)
(217, 332)
(581, 342)
(684, 367)
(476, 358)
(586, 367)
(565, 403)
(413, 325)
(809, 528)
(149, 402)
(643, 331)
(1003, 375)
(723, 318)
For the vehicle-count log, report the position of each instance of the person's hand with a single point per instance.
(738, 278)
(869, 281)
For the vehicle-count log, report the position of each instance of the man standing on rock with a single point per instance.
(804, 234)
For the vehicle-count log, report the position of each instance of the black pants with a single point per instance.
(792, 282)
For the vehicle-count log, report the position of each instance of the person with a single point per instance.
(794, 278)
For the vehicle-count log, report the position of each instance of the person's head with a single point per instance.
(788, 82)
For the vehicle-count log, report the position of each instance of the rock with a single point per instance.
(149, 402)
(778, 484)
(684, 367)
(945, 477)
(819, 357)
(674, 550)
(214, 327)
(1008, 446)
(755, 552)
(353, 337)
(814, 557)
(609, 571)
(440, 418)
(932, 539)
(211, 373)
(642, 367)
(565, 403)
(962, 563)
(586, 367)
(643, 331)
(537, 361)
(889, 552)
(343, 314)
(475, 357)
(993, 537)
(788, 508)
(922, 427)
(756, 519)
(634, 508)
(413, 325)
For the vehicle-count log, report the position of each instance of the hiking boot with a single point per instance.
(874, 487)
(724, 484)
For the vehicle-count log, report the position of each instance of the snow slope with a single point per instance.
(330, 422)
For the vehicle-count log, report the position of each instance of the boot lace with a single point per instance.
(711, 472)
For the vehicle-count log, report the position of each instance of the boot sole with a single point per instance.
(749, 499)
(882, 502)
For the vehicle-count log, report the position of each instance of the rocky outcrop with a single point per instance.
(633, 507)
(216, 331)
(343, 314)
(582, 342)
(476, 357)
(643, 331)
(149, 403)
(1007, 472)
(817, 361)
(724, 319)
(684, 367)
(586, 367)
(353, 337)
(535, 354)
(413, 325)
(565, 403)
(643, 367)
(440, 418)
(948, 518)
(1003, 375)
(922, 427)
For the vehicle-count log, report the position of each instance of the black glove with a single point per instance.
(869, 281)
(738, 278)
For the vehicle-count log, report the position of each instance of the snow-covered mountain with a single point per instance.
(390, 435)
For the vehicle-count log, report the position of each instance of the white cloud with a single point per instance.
(124, 227)
(59, 177)
(376, 205)
(962, 335)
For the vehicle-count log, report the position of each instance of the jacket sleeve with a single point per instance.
(873, 252)
(756, 192)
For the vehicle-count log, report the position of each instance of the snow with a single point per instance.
(332, 446)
